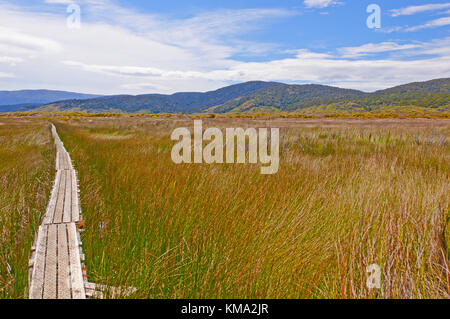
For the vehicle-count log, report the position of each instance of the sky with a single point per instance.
(153, 46)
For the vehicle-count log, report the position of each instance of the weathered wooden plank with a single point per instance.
(37, 277)
(76, 275)
(51, 264)
(60, 201)
(67, 214)
(67, 160)
(50, 212)
(64, 160)
(100, 291)
(63, 154)
(57, 159)
(75, 200)
(64, 288)
(60, 155)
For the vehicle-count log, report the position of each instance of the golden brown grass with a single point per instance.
(318, 112)
(26, 172)
(348, 194)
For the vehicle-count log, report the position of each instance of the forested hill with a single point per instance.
(432, 94)
(270, 97)
(190, 102)
(288, 98)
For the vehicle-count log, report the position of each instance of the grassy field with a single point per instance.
(26, 173)
(349, 193)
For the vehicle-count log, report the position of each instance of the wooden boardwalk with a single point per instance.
(56, 267)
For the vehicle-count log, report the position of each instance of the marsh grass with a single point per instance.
(26, 159)
(347, 195)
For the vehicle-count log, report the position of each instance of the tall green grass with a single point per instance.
(26, 173)
(346, 196)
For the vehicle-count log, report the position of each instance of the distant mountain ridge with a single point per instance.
(258, 96)
(11, 101)
(188, 102)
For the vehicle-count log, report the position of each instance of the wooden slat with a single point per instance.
(67, 214)
(75, 200)
(64, 166)
(63, 154)
(61, 165)
(64, 288)
(60, 202)
(51, 261)
(69, 161)
(66, 160)
(57, 159)
(48, 218)
(76, 274)
(37, 281)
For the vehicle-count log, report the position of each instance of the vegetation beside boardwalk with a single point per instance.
(346, 196)
(26, 175)
(317, 112)
(349, 193)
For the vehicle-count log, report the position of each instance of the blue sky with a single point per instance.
(136, 47)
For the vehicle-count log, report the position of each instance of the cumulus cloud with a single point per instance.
(114, 35)
(308, 66)
(120, 51)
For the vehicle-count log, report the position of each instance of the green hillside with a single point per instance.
(270, 97)
(190, 102)
(287, 98)
(431, 94)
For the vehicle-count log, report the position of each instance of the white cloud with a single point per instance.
(120, 51)
(10, 60)
(6, 75)
(309, 66)
(389, 29)
(59, 1)
(112, 35)
(13, 40)
(419, 9)
(319, 3)
(370, 48)
(431, 24)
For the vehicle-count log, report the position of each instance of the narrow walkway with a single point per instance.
(55, 265)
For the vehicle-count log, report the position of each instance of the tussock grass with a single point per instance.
(316, 112)
(26, 173)
(347, 195)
